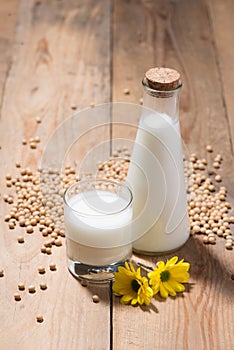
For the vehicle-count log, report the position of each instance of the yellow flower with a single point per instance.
(132, 286)
(167, 278)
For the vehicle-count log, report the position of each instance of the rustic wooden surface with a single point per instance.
(61, 55)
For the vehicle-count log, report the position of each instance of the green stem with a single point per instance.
(145, 266)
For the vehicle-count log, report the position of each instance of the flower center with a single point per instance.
(135, 285)
(165, 275)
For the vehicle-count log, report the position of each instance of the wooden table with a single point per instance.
(58, 55)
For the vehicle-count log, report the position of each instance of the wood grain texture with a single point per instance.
(55, 56)
(182, 36)
(133, 53)
(220, 17)
(9, 15)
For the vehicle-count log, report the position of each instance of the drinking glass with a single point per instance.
(97, 215)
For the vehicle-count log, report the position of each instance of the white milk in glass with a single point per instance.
(156, 177)
(98, 228)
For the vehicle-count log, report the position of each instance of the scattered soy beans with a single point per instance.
(43, 286)
(11, 225)
(29, 229)
(21, 286)
(32, 289)
(216, 165)
(17, 297)
(40, 319)
(228, 245)
(38, 119)
(20, 239)
(48, 251)
(207, 205)
(58, 242)
(37, 139)
(126, 91)
(22, 222)
(196, 229)
(209, 148)
(5, 197)
(212, 240)
(53, 267)
(95, 298)
(7, 218)
(33, 145)
(84, 283)
(218, 178)
(41, 270)
(37, 202)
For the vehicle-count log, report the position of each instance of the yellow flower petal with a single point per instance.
(177, 286)
(169, 288)
(162, 290)
(124, 286)
(176, 268)
(120, 290)
(167, 278)
(172, 261)
(132, 268)
(142, 300)
(183, 278)
(160, 265)
(134, 301)
(182, 263)
(126, 298)
(122, 301)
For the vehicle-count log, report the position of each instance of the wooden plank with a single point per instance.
(178, 34)
(60, 58)
(221, 14)
(9, 12)
(133, 53)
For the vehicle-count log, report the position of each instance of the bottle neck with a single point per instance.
(162, 101)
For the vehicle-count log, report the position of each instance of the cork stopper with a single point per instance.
(162, 79)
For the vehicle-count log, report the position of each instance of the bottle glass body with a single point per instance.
(156, 176)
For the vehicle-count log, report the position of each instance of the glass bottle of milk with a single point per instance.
(156, 173)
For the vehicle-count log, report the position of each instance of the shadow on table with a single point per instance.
(208, 269)
(207, 265)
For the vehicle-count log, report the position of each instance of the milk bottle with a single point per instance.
(156, 174)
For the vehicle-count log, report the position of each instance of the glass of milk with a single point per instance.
(97, 215)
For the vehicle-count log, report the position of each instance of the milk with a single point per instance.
(98, 228)
(156, 177)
